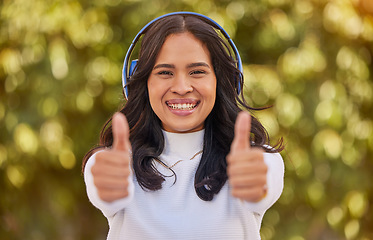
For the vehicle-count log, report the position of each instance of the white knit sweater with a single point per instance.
(175, 211)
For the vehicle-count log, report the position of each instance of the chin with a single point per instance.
(186, 129)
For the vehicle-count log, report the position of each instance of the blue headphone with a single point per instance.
(128, 70)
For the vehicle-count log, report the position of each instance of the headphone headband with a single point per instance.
(128, 70)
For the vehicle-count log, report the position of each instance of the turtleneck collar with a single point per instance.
(183, 145)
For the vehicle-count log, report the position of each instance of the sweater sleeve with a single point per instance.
(275, 183)
(108, 208)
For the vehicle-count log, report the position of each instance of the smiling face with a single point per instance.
(182, 84)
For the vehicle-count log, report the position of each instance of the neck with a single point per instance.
(183, 144)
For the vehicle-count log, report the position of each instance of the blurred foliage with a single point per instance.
(60, 73)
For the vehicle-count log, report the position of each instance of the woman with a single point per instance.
(197, 173)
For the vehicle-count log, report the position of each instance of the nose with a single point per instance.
(181, 85)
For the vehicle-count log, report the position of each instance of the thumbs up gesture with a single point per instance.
(247, 171)
(112, 167)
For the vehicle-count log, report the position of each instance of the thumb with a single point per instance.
(121, 131)
(242, 129)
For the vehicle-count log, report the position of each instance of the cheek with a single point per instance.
(152, 87)
(210, 91)
(151, 93)
(155, 94)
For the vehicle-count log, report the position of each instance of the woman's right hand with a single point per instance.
(112, 169)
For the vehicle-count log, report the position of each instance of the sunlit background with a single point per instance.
(60, 73)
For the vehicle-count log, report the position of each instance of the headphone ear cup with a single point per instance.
(126, 78)
(132, 67)
(239, 89)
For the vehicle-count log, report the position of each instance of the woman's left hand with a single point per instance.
(247, 171)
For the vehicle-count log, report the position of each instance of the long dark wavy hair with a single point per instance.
(146, 128)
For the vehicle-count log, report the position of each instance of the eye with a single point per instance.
(197, 72)
(164, 72)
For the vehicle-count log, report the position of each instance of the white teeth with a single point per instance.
(184, 106)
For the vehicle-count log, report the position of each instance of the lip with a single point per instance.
(182, 107)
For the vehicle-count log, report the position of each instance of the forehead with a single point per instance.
(183, 46)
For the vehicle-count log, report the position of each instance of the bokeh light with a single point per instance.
(60, 75)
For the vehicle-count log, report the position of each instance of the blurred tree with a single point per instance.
(60, 73)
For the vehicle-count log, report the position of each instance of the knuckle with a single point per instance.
(255, 199)
(229, 170)
(99, 183)
(124, 193)
(125, 183)
(261, 178)
(96, 183)
(229, 157)
(94, 170)
(259, 192)
(257, 150)
(100, 156)
(258, 154)
(103, 195)
(264, 181)
(124, 163)
(233, 181)
(234, 193)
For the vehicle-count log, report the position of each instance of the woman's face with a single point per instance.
(182, 84)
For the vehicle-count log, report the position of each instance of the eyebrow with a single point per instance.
(198, 64)
(164, 65)
(191, 65)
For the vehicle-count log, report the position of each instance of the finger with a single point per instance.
(111, 170)
(107, 182)
(242, 129)
(248, 181)
(249, 194)
(246, 168)
(110, 195)
(247, 155)
(112, 158)
(121, 131)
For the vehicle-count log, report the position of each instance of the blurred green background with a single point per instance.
(60, 73)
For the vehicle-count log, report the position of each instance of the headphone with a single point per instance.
(129, 69)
